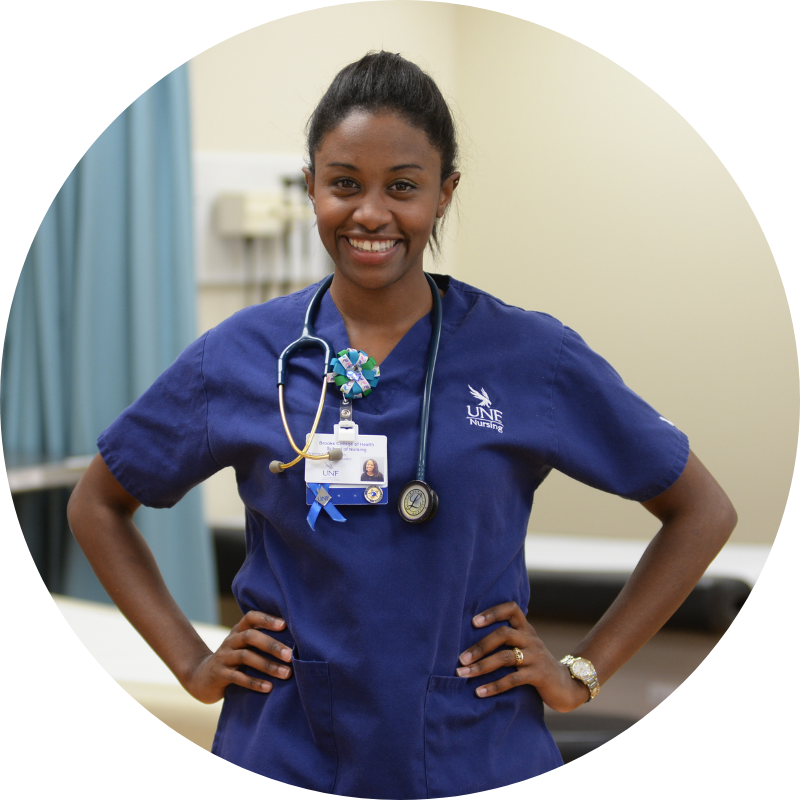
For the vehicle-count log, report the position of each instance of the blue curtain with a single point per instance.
(105, 302)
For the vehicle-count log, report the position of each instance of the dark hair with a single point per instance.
(387, 82)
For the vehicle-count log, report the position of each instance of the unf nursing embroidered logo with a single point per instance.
(482, 414)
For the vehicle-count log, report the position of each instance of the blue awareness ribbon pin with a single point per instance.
(322, 499)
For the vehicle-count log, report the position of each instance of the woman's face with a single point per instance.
(370, 465)
(377, 190)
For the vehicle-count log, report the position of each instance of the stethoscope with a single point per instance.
(417, 502)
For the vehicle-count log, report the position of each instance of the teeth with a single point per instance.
(372, 247)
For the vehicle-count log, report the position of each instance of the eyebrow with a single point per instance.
(398, 168)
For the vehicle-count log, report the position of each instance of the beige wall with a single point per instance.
(584, 195)
(255, 92)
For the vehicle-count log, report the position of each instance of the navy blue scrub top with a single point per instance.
(378, 610)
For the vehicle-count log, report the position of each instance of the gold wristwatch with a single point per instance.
(581, 669)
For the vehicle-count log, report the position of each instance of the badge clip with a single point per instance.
(346, 430)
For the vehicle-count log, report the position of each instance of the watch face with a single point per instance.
(582, 669)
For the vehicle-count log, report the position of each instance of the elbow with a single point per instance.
(80, 508)
(74, 509)
(725, 512)
(722, 518)
(730, 517)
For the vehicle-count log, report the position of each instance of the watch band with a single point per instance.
(581, 669)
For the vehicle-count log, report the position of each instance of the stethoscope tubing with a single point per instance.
(301, 454)
(309, 338)
(433, 352)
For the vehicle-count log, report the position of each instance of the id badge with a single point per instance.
(360, 477)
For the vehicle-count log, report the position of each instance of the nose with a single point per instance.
(372, 211)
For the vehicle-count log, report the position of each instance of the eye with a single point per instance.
(402, 186)
(345, 183)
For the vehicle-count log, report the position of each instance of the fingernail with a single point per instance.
(283, 672)
(286, 653)
(465, 658)
(481, 691)
(462, 672)
(280, 623)
(479, 620)
(267, 687)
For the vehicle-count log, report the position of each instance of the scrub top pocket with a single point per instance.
(286, 734)
(314, 686)
(474, 744)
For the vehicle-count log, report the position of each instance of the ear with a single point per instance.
(309, 175)
(446, 193)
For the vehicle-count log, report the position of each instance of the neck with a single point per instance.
(377, 319)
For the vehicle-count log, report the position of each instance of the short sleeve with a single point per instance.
(158, 448)
(607, 436)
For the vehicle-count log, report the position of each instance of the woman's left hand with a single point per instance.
(539, 667)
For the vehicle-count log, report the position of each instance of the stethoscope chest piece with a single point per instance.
(417, 502)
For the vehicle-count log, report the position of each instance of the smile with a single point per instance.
(367, 246)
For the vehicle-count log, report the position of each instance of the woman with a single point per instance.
(377, 658)
(371, 472)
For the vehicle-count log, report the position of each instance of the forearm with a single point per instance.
(124, 564)
(662, 580)
(693, 532)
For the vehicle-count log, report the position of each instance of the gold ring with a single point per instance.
(518, 655)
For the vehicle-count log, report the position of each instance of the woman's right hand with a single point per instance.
(209, 677)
